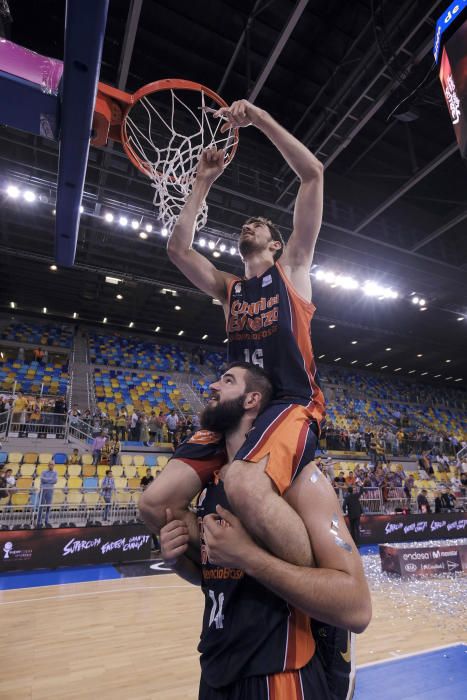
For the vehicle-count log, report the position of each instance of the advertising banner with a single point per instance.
(32, 549)
(422, 561)
(379, 529)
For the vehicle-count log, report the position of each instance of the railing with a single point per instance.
(47, 425)
(79, 429)
(4, 421)
(49, 506)
(396, 448)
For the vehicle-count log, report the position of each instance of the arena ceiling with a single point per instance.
(355, 82)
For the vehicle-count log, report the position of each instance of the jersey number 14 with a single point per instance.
(255, 357)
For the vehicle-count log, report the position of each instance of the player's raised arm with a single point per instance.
(199, 270)
(308, 210)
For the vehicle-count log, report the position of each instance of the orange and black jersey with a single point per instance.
(268, 324)
(247, 629)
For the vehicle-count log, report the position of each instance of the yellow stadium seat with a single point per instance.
(58, 496)
(162, 461)
(75, 482)
(74, 497)
(117, 470)
(120, 482)
(30, 458)
(123, 497)
(86, 459)
(41, 468)
(142, 471)
(14, 468)
(88, 470)
(20, 499)
(91, 498)
(45, 457)
(27, 469)
(37, 482)
(138, 460)
(24, 482)
(60, 469)
(134, 483)
(135, 496)
(74, 470)
(15, 457)
(130, 472)
(126, 460)
(101, 469)
(61, 482)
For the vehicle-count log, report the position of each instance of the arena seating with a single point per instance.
(52, 335)
(30, 377)
(133, 353)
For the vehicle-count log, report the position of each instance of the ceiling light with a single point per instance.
(123, 221)
(332, 325)
(422, 302)
(202, 242)
(29, 196)
(447, 378)
(423, 308)
(368, 364)
(104, 320)
(13, 191)
(320, 274)
(109, 217)
(398, 369)
(112, 280)
(44, 310)
(216, 254)
(222, 247)
(119, 297)
(143, 235)
(134, 224)
(53, 268)
(460, 318)
(165, 232)
(204, 336)
(157, 329)
(81, 209)
(232, 250)
(420, 354)
(225, 340)
(354, 362)
(354, 342)
(54, 211)
(180, 332)
(388, 349)
(211, 245)
(75, 315)
(337, 359)
(415, 300)
(384, 367)
(459, 379)
(437, 375)
(423, 374)
(131, 324)
(166, 290)
(148, 228)
(321, 357)
(448, 361)
(329, 277)
(12, 305)
(177, 308)
(411, 371)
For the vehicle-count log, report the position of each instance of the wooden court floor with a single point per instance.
(136, 638)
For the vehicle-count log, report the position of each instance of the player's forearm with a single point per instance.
(304, 164)
(187, 569)
(181, 238)
(327, 595)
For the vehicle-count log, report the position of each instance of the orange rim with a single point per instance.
(160, 86)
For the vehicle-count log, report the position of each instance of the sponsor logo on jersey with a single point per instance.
(266, 281)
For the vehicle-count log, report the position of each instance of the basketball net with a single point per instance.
(172, 168)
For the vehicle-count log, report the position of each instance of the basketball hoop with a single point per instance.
(164, 128)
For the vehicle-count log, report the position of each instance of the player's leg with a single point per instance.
(282, 442)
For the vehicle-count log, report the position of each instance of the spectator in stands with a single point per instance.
(153, 427)
(146, 480)
(438, 502)
(114, 450)
(121, 425)
(448, 499)
(196, 422)
(134, 426)
(3, 491)
(339, 484)
(159, 427)
(107, 490)
(20, 405)
(422, 502)
(21, 356)
(10, 483)
(172, 422)
(75, 457)
(372, 449)
(408, 486)
(351, 507)
(350, 479)
(48, 480)
(463, 480)
(97, 447)
(38, 355)
(144, 430)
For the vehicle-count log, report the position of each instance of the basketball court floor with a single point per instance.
(131, 632)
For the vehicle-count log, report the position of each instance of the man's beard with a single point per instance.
(248, 246)
(224, 416)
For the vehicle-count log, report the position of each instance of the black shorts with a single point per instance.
(308, 683)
